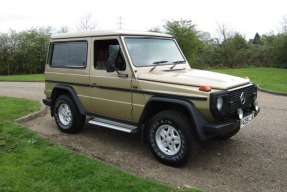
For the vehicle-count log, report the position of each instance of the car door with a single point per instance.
(110, 91)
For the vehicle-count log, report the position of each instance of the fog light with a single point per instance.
(240, 114)
(255, 106)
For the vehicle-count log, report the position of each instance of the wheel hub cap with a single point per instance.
(65, 114)
(168, 139)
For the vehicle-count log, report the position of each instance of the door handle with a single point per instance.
(123, 75)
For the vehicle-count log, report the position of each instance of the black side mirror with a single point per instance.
(111, 67)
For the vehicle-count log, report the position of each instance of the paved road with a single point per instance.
(254, 160)
(34, 91)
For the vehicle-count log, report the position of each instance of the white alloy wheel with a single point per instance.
(65, 114)
(168, 139)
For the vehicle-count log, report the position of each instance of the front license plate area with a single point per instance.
(246, 120)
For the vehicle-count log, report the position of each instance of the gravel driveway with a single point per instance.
(254, 160)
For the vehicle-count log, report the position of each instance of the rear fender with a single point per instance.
(62, 89)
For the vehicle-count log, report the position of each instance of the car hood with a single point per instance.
(194, 77)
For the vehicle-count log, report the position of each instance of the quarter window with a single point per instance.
(69, 54)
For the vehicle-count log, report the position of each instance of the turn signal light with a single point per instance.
(205, 88)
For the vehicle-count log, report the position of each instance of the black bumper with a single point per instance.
(47, 102)
(214, 129)
(219, 129)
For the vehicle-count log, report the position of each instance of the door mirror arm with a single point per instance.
(111, 68)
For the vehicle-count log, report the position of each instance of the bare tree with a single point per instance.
(63, 29)
(86, 23)
(224, 32)
(284, 24)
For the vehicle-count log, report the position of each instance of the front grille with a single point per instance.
(235, 101)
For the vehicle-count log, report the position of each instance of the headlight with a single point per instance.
(219, 103)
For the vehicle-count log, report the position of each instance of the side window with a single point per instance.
(108, 52)
(69, 54)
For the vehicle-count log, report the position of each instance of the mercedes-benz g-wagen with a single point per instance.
(141, 82)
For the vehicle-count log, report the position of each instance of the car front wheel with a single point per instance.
(171, 137)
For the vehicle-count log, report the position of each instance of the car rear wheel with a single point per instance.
(67, 116)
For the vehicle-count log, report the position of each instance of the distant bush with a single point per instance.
(23, 52)
(229, 49)
(236, 52)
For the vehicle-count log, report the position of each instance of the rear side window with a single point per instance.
(69, 54)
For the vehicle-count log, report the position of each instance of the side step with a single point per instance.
(114, 125)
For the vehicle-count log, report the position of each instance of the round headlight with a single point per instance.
(219, 103)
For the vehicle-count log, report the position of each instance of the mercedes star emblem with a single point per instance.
(242, 98)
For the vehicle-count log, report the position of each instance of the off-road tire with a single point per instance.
(66, 115)
(171, 137)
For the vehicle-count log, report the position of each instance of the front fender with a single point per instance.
(197, 119)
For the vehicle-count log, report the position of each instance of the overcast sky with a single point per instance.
(244, 16)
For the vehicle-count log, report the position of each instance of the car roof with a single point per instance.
(107, 33)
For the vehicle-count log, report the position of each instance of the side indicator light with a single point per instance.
(205, 88)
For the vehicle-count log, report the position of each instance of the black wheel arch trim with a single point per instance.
(197, 119)
(73, 94)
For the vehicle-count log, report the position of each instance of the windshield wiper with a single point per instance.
(156, 64)
(175, 63)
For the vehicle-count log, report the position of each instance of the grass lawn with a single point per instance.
(29, 162)
(30, 77)
(272, 79)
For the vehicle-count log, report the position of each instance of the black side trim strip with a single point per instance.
(134, 91)
(68, 83)
(114, 88)
(153, 93)
(170, 95)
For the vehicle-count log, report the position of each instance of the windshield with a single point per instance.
(151, 51)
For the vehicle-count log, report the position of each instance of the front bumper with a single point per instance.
(219, 129)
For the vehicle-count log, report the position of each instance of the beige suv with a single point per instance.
(141, 82)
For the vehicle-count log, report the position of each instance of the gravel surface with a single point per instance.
(253, 160)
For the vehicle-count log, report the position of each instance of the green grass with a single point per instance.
(272, 79)
(29, 162)
(31, 77)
